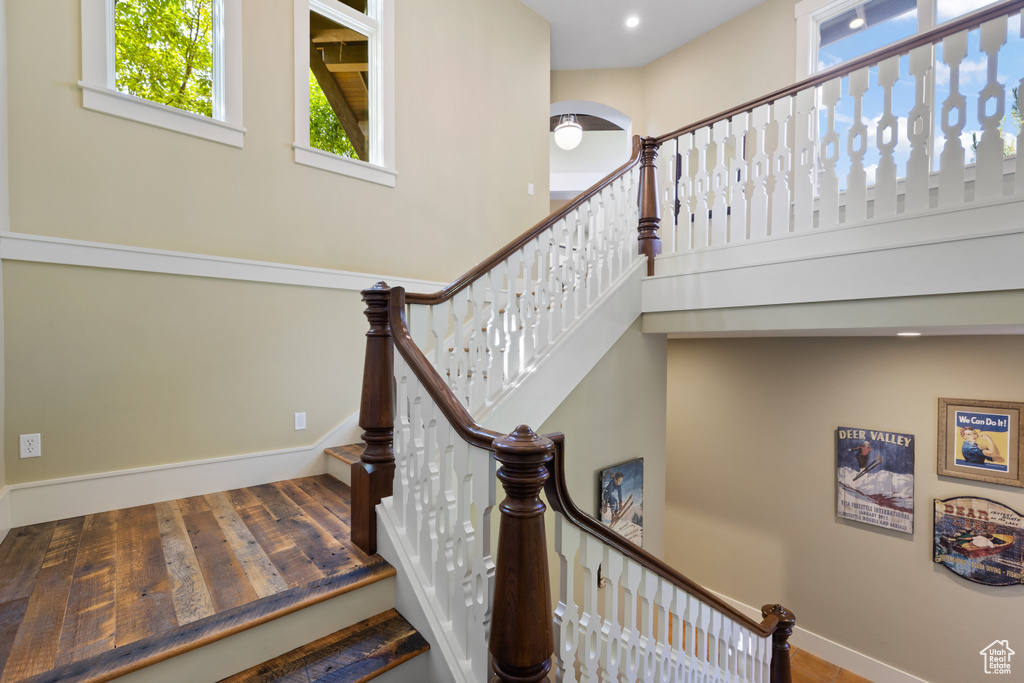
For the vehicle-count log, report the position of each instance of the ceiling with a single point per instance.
(592, 34)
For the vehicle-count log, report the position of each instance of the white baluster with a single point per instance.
(446, 518)
(919, 130)
(701, 187)
(720, 185)
(760, 170)
(951, 161)
(715, 657)
(566, 623)
(481, 353)
(611, 631)
(648, 607)
(857, 146)
(633, 648)
(514, 332)
(664, 649)
(668, 163)
(782, 112)
(887, 138)
(590, 618)
(687, 192)
(481, 586)
(805, 121)
(738, 231)
(403, 442)
(988, 173)
(828, 192)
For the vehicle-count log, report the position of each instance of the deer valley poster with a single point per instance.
(875, 477)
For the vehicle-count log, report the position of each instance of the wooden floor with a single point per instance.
(157, 580)
(807, 668)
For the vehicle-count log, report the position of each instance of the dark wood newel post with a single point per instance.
(521, 634)
(650, 209)
(780, 642)
(373, 475)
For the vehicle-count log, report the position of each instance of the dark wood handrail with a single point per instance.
(969, 21)
(484, 267)
(555, 488)
(560, 500)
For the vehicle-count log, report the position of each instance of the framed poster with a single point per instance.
(980, 440)
(875, 477)
(622, 500)
(980, 540)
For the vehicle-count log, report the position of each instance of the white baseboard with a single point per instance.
(43, 501)
(5, 512)
(833, 652)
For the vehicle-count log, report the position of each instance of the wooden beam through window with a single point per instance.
(349, 121)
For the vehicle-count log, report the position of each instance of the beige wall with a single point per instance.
(750, 56)
(620, 89)
(751, 481)
(472, 85)
(615, 414)
(120, 369)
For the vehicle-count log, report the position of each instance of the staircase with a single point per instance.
(204, 588)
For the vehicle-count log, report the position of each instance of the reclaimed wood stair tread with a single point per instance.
(358, 653)
(96, 597)
(347, 454)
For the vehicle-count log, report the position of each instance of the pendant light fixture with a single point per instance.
(568, 132)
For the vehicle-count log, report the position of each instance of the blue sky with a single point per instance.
(973, 77)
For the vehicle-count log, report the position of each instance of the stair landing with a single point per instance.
(95, 597)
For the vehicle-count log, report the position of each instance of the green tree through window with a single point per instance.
(325, 131)
(164, 52)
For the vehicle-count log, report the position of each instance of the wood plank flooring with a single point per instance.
(94, 597)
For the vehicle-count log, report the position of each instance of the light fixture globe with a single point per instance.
(568, 132)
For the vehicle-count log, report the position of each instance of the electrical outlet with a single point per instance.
(31, 446)
(529, 189)
(300, 421)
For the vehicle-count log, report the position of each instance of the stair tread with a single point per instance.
(348, 454)
(358, 653)
(95, 597)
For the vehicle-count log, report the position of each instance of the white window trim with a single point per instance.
(378, 25)
(100, 94)
(810, 13)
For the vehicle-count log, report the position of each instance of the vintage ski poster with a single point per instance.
(875, 477)
(980, 540)
(622, 500)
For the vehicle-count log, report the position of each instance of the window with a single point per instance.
(174, 64)
(344, 121)
(830, 32)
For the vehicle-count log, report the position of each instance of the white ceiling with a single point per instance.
(592, 34)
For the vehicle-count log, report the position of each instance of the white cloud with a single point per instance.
(954, 8)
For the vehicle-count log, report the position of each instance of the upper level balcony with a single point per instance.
(866, 194)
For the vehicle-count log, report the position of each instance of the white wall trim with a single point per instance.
(840, 655)
(49, 499)
(5, 512)
(40, 249)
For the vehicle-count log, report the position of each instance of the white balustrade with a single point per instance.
(444, 491)
(488, 335)
(630, 624)
(925, 130)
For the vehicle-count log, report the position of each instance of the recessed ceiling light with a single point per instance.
(633, 22)
(856, 22)
(908, 334)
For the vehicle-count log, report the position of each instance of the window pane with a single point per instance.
(164, 52)
(865, 28)
(338, 88)
(951, 9)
